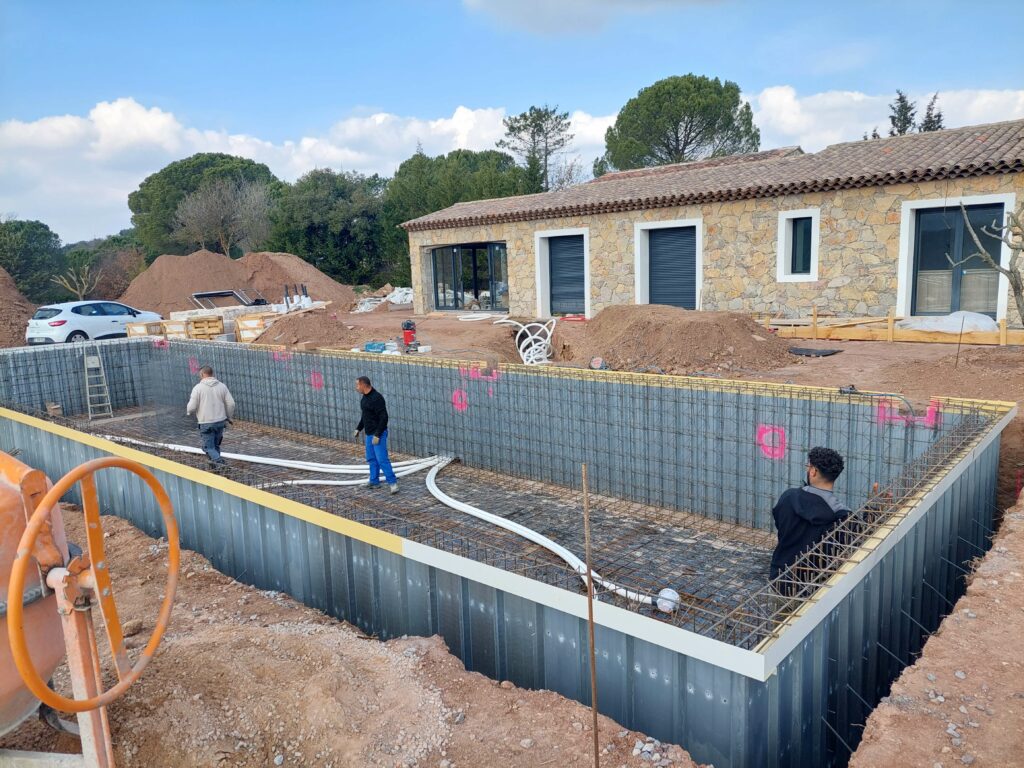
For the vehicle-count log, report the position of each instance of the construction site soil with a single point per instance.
(249, 678)
(671, 340)
(15, 311)
(167, 285)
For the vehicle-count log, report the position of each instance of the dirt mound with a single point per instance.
(321, 327)
(170, 281)
(670, 340)
(15, 313)
(270, 272)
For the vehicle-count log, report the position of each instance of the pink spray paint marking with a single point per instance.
(161, 343)
(771, 440)
(193, 365)
(281, 356)
(316, 380)
(888, 412)
(490, 391)
(477, 375)
(460, 400)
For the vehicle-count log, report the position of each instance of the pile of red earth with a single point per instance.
(168, 284)
(15, 311)
(319, 328)
(659, 339)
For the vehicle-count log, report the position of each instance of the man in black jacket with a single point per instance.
(803, 516)
(374, 421)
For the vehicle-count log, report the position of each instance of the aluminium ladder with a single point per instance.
(97, 393)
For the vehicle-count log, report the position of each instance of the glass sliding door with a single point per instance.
(948, 277)
(471, 277)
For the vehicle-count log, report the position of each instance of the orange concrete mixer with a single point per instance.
(49, 593)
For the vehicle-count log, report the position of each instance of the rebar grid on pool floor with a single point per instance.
(720, 569)
(713, 565)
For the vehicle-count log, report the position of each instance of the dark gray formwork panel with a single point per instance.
(809, 713)
(566, 260)
(673, 267)
(701, 450)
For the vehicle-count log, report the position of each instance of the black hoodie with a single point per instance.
(803, 516)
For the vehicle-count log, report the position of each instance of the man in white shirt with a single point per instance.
(213, 406)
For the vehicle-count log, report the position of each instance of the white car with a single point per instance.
(83, 320)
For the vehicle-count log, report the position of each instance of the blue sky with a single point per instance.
(104, 93)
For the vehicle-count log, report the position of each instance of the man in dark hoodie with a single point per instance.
(803, 516)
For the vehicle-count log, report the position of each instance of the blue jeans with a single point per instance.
(213, 434)
(377, 458)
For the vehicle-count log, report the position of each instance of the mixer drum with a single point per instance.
(42, 623)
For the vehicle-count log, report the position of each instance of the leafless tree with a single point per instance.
(566, 173)
(1010, 233)
(79, 281)
(224, 212)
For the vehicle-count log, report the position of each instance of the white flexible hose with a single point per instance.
(533, 340)
(475, 316)
(521, 530)
(306, 466)
(403, 469)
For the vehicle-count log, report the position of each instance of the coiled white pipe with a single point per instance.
(475, 316)
(521, 530)
(402, 472)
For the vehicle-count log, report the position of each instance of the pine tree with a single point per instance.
(932, 120)
(901, 117)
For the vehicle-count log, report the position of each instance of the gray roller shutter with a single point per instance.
(565, 255)
(673, 266)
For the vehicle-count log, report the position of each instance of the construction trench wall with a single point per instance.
(799, 699)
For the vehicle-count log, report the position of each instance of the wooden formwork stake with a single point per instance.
(890, 332)
(1002, 332)
(814, 323)
(590, 616)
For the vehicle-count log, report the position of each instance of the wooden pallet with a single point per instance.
(205, 328)
(884, 329)
(144, 329)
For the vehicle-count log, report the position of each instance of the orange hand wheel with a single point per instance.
(85, 581)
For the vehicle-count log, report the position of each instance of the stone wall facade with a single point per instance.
(858, 250)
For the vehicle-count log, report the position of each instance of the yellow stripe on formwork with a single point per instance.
(358, 531)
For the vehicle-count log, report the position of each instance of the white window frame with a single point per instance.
(905, 264)
(542, 267)
(642, 256)
(785, 240)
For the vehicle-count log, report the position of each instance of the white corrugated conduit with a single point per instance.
(533, 340)
(667, 600)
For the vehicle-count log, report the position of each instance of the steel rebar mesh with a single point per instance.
(684, 472)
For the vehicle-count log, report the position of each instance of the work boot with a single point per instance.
(394, 488)
(371, 485)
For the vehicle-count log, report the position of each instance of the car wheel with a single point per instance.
(77, 336)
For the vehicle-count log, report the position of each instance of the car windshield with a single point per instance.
(45, 313)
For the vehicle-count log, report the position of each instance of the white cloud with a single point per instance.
(820, 119)
(550, 17)
(75, 173)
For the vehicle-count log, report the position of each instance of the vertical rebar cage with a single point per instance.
(684, 473)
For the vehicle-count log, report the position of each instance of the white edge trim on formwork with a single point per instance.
(796, 633)
(715, 652)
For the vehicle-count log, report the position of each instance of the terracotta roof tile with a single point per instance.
(953, 153)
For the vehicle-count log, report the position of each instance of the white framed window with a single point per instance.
(797, 253)
(542, 267)
(909, 215)
(642, 256)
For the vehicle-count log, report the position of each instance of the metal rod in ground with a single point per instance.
(590, 615)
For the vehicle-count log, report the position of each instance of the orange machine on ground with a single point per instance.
(50, 590)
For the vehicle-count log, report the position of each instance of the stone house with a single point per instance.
(856, 229)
